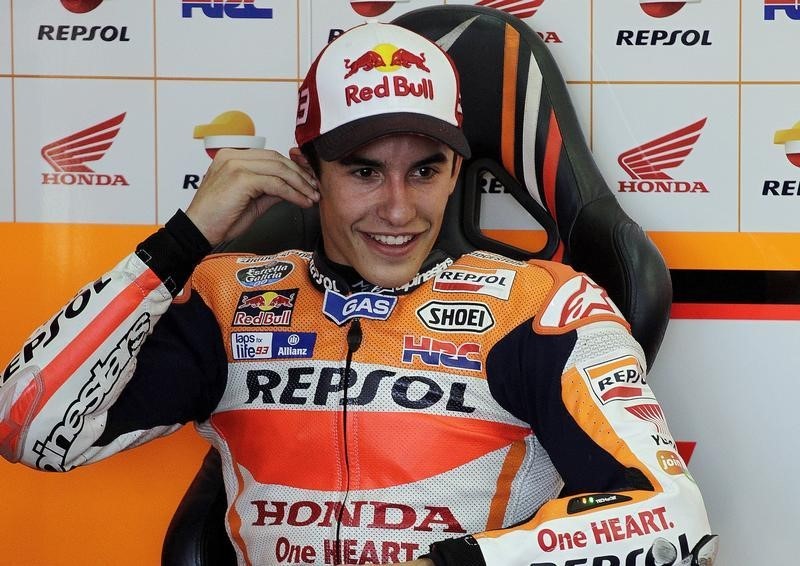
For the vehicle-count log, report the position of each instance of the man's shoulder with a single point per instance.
(561, 297)
(250, 269)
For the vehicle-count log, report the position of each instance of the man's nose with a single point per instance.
(397, 204)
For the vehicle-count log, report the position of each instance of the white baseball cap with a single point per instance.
(375, 80)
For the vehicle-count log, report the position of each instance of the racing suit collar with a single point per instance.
(326, 274)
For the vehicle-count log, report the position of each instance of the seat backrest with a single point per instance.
(524, 131)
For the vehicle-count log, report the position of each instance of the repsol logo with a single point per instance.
(105, 373)
(47, 334)
(688, 38)
(309, 385)
(781, 188)
(369, 514)
(82, 33)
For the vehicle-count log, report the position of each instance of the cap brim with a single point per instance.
(346, 138)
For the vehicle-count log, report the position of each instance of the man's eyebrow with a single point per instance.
(360, 160)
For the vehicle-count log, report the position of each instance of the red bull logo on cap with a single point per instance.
(265, 308)
(387, 58)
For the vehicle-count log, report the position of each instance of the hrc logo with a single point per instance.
(432, 352)
(791, 8)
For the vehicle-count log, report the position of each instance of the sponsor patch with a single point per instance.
(266, 274)
(265, 308)
(455, 316)
(586, 502)
(580, 298)
(441, 353)
(620, 379)
(492, 282)
(271, 345)
(340, 309)
(671, 463)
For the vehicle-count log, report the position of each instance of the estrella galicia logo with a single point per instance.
(239, 9)
(790, 8)
(340, 309)
(268, 274)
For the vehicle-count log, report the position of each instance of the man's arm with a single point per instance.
(56, 393)
(628, 498)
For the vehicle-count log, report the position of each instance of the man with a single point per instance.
(376, 401)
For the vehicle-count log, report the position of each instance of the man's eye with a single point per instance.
(364, 172)
(425, 172)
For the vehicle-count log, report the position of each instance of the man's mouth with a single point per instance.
(389, 240)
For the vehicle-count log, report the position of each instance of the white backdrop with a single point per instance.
(725, 66)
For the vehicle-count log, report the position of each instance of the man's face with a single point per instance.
(381, 207)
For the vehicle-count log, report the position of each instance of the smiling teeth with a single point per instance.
(392, 240)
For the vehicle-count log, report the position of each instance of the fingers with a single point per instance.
(267, 172)
(241, 184)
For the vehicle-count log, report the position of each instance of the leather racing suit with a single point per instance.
(497, 410)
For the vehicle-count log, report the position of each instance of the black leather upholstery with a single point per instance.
(522, 128)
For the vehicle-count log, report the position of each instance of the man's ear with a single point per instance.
(298, 157)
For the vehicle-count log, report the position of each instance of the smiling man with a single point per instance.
(376, 401)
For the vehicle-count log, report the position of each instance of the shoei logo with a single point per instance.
(81, 6)
(240, 9)
(791, 142)
(665, 8)
(518, 8)
(372, 9)
(790, 9)
(647, 163)
(69, 156)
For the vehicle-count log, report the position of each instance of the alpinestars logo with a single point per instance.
(665, 8)
(647, 163)
(790, 8)
(69, 156)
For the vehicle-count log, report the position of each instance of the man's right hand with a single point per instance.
(241, 184)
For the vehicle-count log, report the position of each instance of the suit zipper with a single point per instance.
(354, 338)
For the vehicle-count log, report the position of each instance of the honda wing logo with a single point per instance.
(518, 8)
(72, 152)
(647, 164)
(70, 156)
